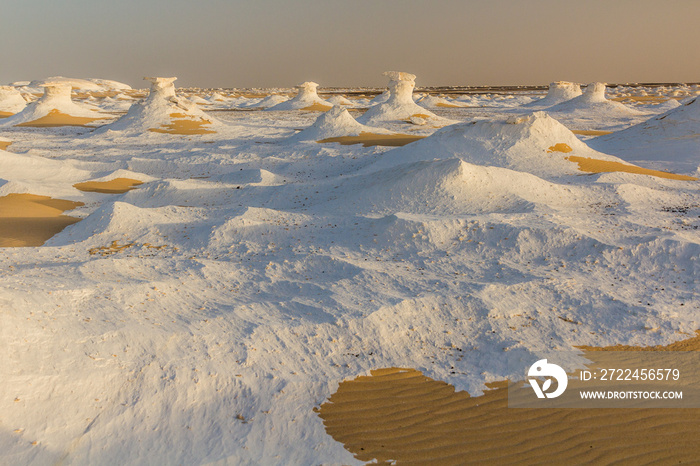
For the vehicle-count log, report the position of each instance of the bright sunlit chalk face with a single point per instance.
(163, 87)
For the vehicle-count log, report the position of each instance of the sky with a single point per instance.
(342, 43)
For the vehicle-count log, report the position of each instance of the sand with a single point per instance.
(442, 104)
(184, 126)
(373, 139)
(56, 118)
(590, 165)
(113, 248)
(402, 415)
(317, 107)
(641, 98)
(30, 220)
(560, 147)
(6, 114)
(115, 186)
(590, 132)
(5, 144)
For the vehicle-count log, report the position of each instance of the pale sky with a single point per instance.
(278, 43)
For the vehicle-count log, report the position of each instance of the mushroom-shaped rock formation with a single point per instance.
(559, 92)
(594, 102)
(306, 99)
(337, 125)
(400, 107)
(54, 108)
(163, 112)
(11, 101)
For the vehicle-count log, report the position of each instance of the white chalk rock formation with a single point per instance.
(11, 101)
(164, 112)
(535, 143)
(80, 85)
(380, 99)
(267, 102)
(593, 102)
(306, 99)
(339, 100)
(559, 92)
(54, 108)
(400, 106)
(669, 141)
(337, 122)
(433, 102)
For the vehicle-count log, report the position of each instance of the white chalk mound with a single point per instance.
(339, 100)
(306, 99)
(337, 122)
(593, 102)
(77, 84)
(535, 143)
(435, 102)
(560, 91)
(269, 101)
(672, 139)
(400, 107)
(54, 108)
(163, 112)
(11, 101)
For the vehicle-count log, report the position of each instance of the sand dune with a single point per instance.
(403, 416)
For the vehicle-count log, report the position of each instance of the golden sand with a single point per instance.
(6, 114)
(446, 105)
(4, 144)
(56, 118)
(642, 98)
(95, 94)
(30, 220)
(317, 107)
(185, 125)
(251, 95)
(404, 416)
(560, 147)
(590, 132)
(115, 186)
(372, 139)
(109, 250)
(589, 165)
